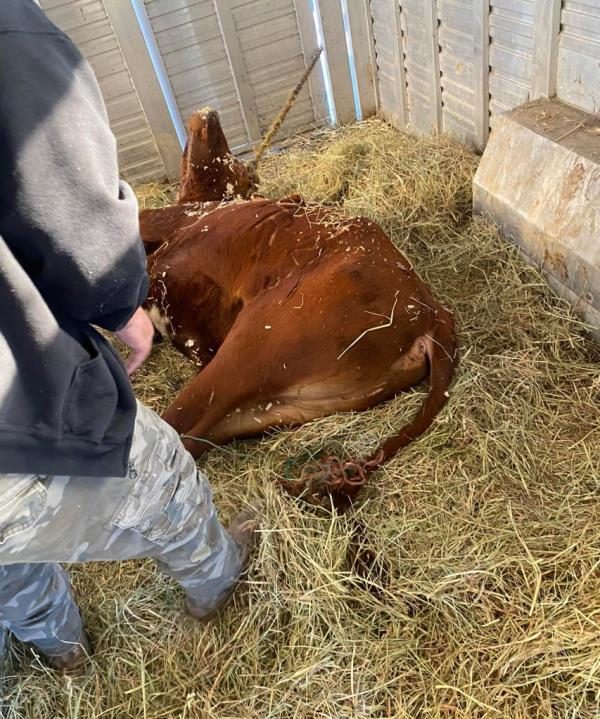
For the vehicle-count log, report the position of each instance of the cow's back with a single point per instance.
(250, 247)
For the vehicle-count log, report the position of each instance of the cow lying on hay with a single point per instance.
(291, 311)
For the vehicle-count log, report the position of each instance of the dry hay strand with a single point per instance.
(481, 593)
(368, 166)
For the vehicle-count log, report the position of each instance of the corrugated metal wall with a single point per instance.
(511, 53)
(240, 56)
(270, 65)
(456, 67)
(390, 61)
(579, 54)
(88, 25)
(479, 58)
(159, 60)
(193, 51)
(447, 65)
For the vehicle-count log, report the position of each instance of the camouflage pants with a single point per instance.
(163, 509)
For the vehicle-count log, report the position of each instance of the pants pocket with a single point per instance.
(22, 502)
(169, 498)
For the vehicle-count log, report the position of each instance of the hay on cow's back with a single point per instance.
(485, 599)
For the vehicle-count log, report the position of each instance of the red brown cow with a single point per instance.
(292, 312)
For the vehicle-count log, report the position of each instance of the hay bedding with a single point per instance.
(484, 599)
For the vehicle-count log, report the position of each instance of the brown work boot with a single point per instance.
(242, 529)
(73, 658)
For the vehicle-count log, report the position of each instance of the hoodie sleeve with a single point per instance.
(68, 218)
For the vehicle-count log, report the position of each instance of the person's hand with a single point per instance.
(137, 334)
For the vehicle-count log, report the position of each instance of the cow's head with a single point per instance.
(209, 171)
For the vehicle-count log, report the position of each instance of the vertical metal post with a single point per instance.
(310, 44)
(361, 30)
(336, 53)
(435, 92)
(163, 125)
(238, 69)
(481, 70)
(546, 26)
(399, 114)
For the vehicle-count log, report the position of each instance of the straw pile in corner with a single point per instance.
(483, 599)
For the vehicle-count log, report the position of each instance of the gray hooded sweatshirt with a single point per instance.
(70, 257)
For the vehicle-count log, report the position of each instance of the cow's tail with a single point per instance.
(333, 481)
(440, 346)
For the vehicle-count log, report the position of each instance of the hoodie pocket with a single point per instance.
(91, 401)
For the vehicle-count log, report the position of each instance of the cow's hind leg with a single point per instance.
(241, 393)
(262, 378)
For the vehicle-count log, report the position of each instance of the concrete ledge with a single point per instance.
(539, 181)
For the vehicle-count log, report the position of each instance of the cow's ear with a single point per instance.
(212, 121)
(216, 136)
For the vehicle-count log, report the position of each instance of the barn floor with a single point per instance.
(485, 597)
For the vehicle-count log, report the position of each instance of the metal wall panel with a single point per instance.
(421, 65)
(87, 24)
(457, 67)
(389, 53)
(269, 38)
(579, 54)
(408, 63)
(409, 66)
(193, 51)
(511, 53)
(242, 57)
(157, 61)
(483, 57)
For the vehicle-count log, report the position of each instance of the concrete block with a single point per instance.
(539, 181)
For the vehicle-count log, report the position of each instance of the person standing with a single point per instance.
(86, 472)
